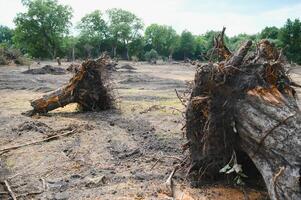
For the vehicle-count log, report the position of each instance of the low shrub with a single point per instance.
(151, 56)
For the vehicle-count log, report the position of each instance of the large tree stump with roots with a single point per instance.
(89, 88)
(245, 106)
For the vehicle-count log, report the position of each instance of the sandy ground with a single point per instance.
(107, 155)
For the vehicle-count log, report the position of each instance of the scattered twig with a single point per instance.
(181, 100)
(169, 183)
(11, 193)
(164, 156)
(30, 193)
(37, 141)
(44, 185)
(155, 163)
(159, 107)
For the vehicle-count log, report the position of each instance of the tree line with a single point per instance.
(43, 32)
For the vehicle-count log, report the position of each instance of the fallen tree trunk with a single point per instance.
(87, 88)
(245, 103)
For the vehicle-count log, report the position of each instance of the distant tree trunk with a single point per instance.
(170, 56)
(114, 51)
(54, 53)
(127, 53)
(73, 56)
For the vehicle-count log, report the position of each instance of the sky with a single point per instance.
(197, 16)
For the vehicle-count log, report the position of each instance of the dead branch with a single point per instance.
(168, 185)
(37, 141)
(181, 100)
(12, 194)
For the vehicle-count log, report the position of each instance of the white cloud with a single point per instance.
(8, 11)
(173, 12)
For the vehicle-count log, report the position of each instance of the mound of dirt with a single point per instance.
(74, 68)
(127, 66)
(33, 126)
(47, 69)
(111, 66)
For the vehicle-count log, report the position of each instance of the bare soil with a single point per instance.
(107, 155)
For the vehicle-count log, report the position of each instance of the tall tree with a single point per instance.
(236, 41)
(269, 32)
(6, 34)
(290, 37)
(93, 31)
(162, 38)
(136, 47)
(124, 27)
(187, 44)
(200, 47)
(41, 29)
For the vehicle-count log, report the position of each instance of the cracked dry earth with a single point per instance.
(126, 153)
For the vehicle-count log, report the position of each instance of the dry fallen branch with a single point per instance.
(167, 187)
(12, 194)
(180, 98)
(37, 141)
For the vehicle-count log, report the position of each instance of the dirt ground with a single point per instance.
(126, 153)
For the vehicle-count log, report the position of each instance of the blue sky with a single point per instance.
(197, 16)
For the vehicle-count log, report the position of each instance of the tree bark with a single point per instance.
(245, 103)
(271, 135)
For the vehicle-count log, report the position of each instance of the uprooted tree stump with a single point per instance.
(245, 105)
(88, 88)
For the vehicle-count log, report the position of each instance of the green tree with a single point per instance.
(290, 37)
(93, 31)
(152, 56)
(162, 38)
(269, 32)
(136, 47)
(6, 35)
(235, 41)
(200, 47)
(41, 29)
(187, 44)
(69, 47)
(124, 27)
